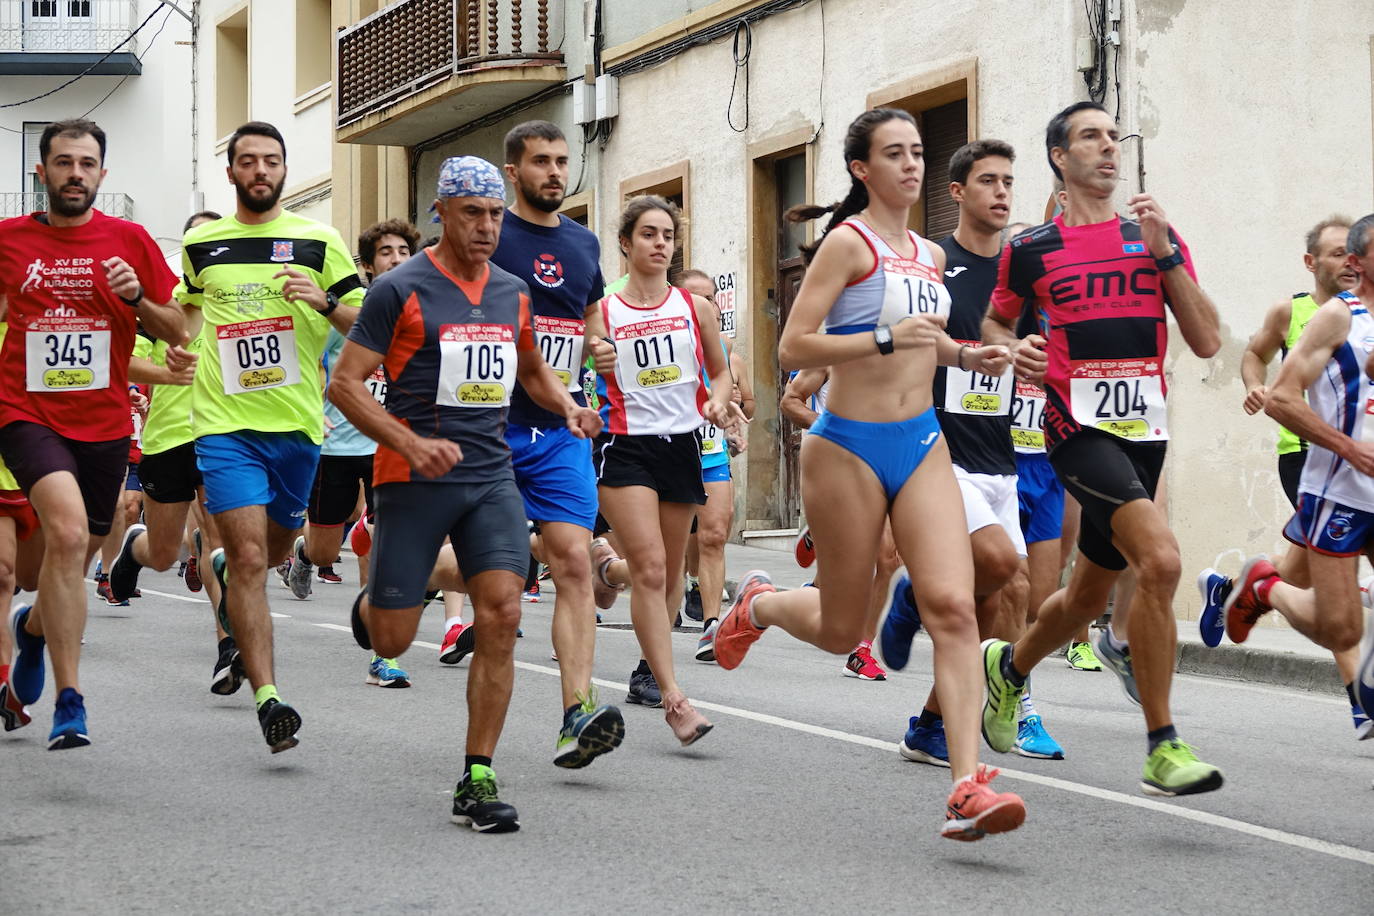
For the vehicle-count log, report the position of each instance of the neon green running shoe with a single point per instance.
(589, 730)
(1173, 769)
(1082, 658)
(1004, 699)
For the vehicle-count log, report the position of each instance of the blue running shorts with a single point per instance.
(553, 469)
(245, 468)
(1041, 496)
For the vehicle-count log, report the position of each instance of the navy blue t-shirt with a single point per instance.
(562, 267)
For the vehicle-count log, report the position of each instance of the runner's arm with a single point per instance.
(1193, 309)
(596, 343)
(740, 372)
(1259, 352)
(798, 392)
(144, 371)
(546, 389)
(1325, 334)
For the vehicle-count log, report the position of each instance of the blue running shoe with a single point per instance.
(1120, 663)
(1364, 728)
(925, 743)
(1033, 741)
(27, 671)
(68, 722)
(1215, 589)
(900, 625)
(383, 672)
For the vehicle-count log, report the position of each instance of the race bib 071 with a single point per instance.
(560, 342)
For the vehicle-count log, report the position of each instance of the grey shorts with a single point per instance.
(484, 521)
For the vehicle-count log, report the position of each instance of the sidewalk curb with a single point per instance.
(1281, 669)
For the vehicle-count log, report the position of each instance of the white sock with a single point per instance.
(452, 622)
(1027, 704)
(1116, 644)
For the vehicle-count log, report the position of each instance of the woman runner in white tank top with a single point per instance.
(648, 462)
(876, 452)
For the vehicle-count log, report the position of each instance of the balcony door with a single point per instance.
(58, 25)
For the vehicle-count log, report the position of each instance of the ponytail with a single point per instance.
(854, 201)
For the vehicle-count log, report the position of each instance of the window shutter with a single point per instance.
(943, 130)
(33, 132)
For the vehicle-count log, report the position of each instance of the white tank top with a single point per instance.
(1343, 396)
(656, 389)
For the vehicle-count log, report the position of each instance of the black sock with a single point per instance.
(1160, 735)
(705, 624)
(472, 761)
(1350, 692)
(532, 576)
(228, 643)
(928, 718)
(1014, 677)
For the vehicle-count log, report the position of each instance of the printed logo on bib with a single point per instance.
(1124, 397)
(255, 355)
(975, 394)
(660, 353)
(376, 384)
(476, 365)
(67, 353)
(1027, 419)
(560, 341)
(911, 288)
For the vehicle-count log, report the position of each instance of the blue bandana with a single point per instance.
(469, 176)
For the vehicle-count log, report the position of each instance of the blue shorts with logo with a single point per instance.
(1041, 498)
(716, 473)
(246, 468)
(1327, 527)
(553, 469)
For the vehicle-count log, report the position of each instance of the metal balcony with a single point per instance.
(19, 204)
(420, 67)
(67, 37)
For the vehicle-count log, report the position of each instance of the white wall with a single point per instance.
(146, 121)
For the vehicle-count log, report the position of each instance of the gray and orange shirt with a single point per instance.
(450, 351)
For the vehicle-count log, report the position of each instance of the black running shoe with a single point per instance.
(219, 567)
(124, 570)
(279, 725)
(691, 605)
(355, 618)
(228, 674)
(476, 804)
(644, 688)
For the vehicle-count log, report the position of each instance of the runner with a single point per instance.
(876, 453)
(78, 283)
(131, 494)
(560, 264)
(268, 285)
(173, 485)
(648, 462)
(1316, 587)
(454, 334)
(1104, 424)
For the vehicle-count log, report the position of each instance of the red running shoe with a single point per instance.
(459, 641)
(737, 632)
(805, 551)
(974, 810)
(1243, 608)
(862, 666)
(360, 539)
(193, 580)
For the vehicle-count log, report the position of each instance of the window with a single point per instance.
(33, 132)
(314, 44)
(670, 182)
(231, 72)
(945, 105)
(578, 208)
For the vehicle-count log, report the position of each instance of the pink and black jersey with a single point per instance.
(1100, 302)
(656, 389)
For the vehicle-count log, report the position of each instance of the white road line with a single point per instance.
(153, 591)
(1310, 844)
(275, 614)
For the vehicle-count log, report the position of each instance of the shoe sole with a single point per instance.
(601, 735)
(696, 736)
(1210, 783)
(281, 734)
(916, 755)
(12, 712)
(68, 740)
(396, 682)
(1000, 818)
(493, 827)
(461, 648)
(229, 679)
(864, 677)
(1036, 755)
(706, 654)
(638, 700)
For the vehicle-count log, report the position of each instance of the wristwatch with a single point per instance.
(135, 301)
(333, 303)
(882, 335)
(1170, 262)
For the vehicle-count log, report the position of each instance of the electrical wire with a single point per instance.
(139, 58)
(741, 62)
(820, 83)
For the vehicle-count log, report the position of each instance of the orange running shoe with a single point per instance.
(1243, 608)
(974, 810)
(805, 551)
(737, 632)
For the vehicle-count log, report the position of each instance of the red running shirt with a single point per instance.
(65, 360)
(1100, 302)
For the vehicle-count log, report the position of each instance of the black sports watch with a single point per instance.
(882, 335)
(333, 303)
(1170, 262)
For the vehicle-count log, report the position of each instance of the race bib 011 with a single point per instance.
(655, 354)
(67, 354)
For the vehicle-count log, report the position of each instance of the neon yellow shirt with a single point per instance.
(1304, 307)
(259, 353)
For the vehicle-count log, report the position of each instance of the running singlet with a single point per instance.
(897, 287)
(562, 268)
(715, 449)
(65, 362)
(656, 389)
(450, 351)
(1343, 396)
(342, 438)
(257, 367)
(975, 410)
(1104, 304)
(1303, 308)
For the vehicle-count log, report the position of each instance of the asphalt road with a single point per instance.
(796, 802)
